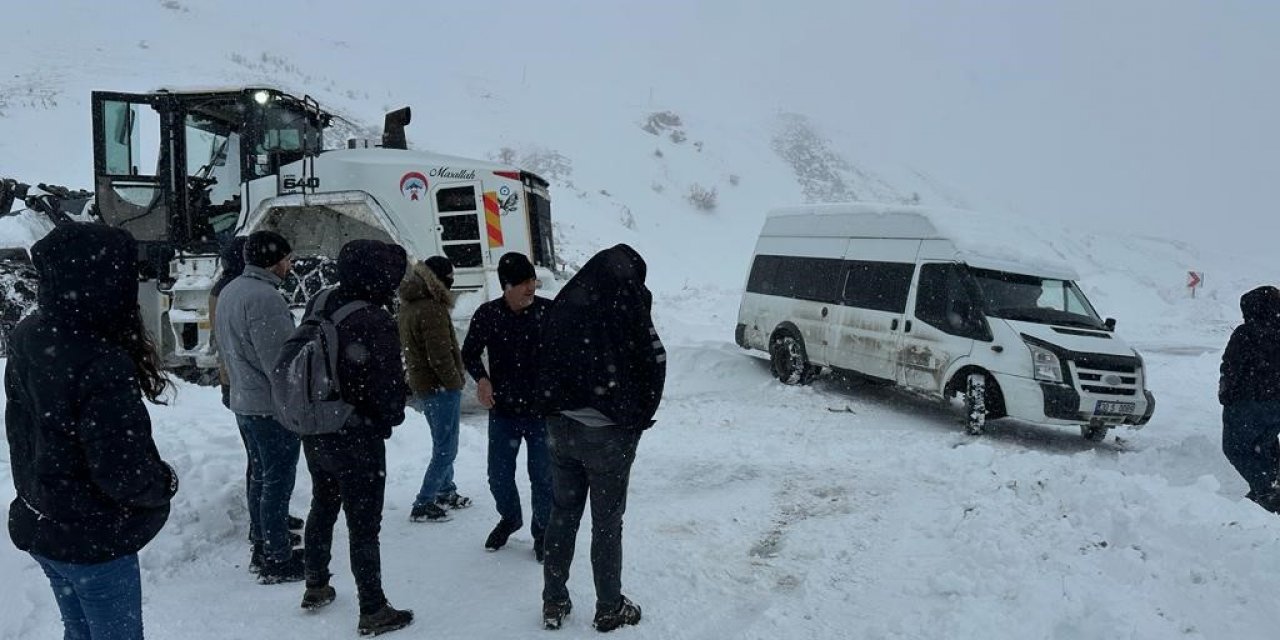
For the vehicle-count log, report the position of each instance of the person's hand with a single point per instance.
(484, 393)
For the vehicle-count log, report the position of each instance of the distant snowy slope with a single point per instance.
(683, 179)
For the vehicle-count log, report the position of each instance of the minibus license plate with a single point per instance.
(1107, 407)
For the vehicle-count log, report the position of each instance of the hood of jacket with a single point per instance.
(371, 270)
(88, 275)
(1261, 306)
(611, 279)
(423, 284)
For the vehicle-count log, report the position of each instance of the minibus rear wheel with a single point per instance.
(789, 360)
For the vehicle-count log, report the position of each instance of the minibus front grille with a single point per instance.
(1106, 375)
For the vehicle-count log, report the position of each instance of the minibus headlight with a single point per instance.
(1045, 364)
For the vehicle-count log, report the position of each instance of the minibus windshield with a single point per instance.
(1014, 296)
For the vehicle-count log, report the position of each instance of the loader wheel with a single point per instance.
(17, 296)
(789, 360)
(309, 276)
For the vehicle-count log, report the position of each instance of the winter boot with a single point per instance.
(315, 597)
(498, 537)
(453, 501)
(290, 570)
(429, 513)
(296, 523)
(385, 619)
(628, 613)
(255, 558)
(554, 613)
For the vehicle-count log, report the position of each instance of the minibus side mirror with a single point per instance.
(1109, 324)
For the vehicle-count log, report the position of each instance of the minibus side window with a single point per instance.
(880, 286)
(946, 302)
(816, 279)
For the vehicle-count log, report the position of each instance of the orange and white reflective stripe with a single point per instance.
(492, 218)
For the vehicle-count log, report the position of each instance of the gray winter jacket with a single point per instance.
(252, 323)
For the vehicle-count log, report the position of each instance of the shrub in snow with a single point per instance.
(701, 197)
(660, 121)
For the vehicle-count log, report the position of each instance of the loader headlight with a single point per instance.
(262, 97)
(1045, 364)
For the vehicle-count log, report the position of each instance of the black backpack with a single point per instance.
(304, 382)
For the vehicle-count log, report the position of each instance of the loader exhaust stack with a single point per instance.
(393, 130)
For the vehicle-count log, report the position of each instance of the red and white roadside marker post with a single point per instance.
(1194, 280)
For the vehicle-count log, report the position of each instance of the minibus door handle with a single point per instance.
(893, 326)
(824, 312)
(908, 329)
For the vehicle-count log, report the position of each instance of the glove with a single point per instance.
(226, 396)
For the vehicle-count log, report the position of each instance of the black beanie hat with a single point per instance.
(514, 268)
(440, 266)
(265, 248)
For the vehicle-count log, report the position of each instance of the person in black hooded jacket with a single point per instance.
(348, 467)
(1249, 391)
(91, 487)
(601, 372)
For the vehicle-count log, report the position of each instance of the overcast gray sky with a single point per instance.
(1152, 114)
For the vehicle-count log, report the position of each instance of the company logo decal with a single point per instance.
(413, 185)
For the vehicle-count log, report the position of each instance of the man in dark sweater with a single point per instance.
(508, 328)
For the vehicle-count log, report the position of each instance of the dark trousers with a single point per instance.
(348, 473)
(273, 467)
(97, 601)
(595, 463)
(505, 435)
(1249, 432)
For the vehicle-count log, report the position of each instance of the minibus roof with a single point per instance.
(982, 240)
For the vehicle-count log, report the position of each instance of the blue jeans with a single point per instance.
(505, 434)
(98, 601)
(273, 467)
(441, 409)
(1249, 431)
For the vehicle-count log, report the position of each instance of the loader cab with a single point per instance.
(171, 167)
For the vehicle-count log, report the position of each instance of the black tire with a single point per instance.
(789, 360)
(1094, 433)
(17, 296)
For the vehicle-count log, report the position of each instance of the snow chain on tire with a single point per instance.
(975, 404)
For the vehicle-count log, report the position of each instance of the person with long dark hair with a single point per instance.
(91, 487)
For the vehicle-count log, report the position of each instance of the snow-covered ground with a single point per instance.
(764, 511)
(756, 510)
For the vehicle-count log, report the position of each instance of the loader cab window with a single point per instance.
(132, 138)
(282, 132)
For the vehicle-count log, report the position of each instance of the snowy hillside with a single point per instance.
(756, 510)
